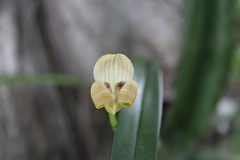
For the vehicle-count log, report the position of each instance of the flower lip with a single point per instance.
(114, 86)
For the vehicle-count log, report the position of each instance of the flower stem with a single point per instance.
(113, 121)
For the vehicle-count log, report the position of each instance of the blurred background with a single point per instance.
(48, 50)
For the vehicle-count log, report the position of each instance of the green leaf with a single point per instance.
(208, 46)
(46, 79)
(138, 127)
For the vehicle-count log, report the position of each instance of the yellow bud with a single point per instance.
(114, 86)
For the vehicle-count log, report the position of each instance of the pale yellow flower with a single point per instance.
(114, 86)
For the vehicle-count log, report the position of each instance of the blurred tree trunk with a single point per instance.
(37, 122)
(40, 36)
(45, 125)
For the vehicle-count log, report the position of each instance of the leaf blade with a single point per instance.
(131, 132)
(150, 119)
(125, 136)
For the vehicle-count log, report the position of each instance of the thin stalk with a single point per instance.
(113, 121)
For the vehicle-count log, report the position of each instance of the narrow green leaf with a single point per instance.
(46, 79)
(151, 113)
(128, 120)
(138, 127)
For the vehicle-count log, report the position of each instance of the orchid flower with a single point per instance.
(113, 87)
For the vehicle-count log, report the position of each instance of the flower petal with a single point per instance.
(113, 68)
(101, 95)
(127, 94)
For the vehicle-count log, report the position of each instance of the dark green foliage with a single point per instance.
(208, 43)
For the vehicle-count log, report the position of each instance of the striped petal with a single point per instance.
(127, 94)
(101, 95)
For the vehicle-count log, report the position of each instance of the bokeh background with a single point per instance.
(47, 52)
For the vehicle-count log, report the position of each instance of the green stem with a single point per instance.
(113, 121)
